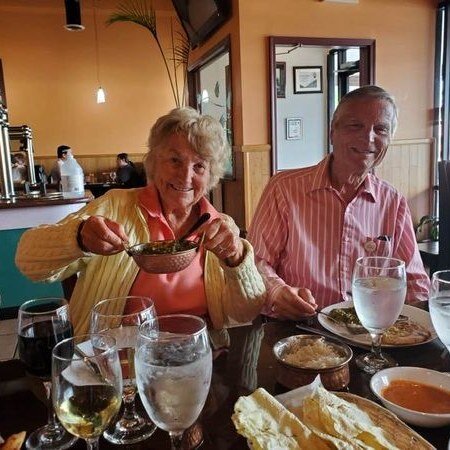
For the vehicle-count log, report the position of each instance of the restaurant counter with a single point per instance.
(249, 363)
(15, 218)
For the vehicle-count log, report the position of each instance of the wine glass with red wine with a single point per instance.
(42, 323)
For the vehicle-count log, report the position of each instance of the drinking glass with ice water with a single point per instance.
(439, 305)
(173, 371)
(379, 291)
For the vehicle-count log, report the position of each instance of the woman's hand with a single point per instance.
(102, 236)
(222, 238)
(293, 303)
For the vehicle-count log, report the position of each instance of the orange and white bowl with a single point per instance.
(429, 377)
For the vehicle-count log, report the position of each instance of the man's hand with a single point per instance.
(102, 236)
(293, 303)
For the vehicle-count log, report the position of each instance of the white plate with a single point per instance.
(418, 315)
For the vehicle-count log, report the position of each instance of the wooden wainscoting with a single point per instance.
(256, 166)
(409, 166)
(91, 164)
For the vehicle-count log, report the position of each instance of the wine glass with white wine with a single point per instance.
(439, 305)
(120, 317)
(173, 371)
(379, 291)
(87, 385)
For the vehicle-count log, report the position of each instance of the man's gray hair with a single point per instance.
(204, 133)
(369, 92)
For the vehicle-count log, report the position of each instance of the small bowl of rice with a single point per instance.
(302, 357)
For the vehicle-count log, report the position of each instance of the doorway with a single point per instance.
(308, 76)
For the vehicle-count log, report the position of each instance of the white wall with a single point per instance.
(311, 108)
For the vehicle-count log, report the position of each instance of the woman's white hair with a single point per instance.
(204, 133)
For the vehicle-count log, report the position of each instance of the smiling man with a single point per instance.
(312, 224)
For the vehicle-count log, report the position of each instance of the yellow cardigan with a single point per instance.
(50, 253)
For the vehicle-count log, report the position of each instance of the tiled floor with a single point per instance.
(8, 338)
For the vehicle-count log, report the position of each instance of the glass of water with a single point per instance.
(173, 371)
(440, 305)
(120, 317)
(379, 291)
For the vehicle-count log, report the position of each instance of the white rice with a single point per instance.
(315, 355)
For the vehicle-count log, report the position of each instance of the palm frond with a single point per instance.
(138, 12)
(143, 14)
(181, 49)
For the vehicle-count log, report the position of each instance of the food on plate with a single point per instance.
(405, 331)
(267, 424)
(164, 247)
(417, 396)
(323, 421)
(14, 442)
(316, 354)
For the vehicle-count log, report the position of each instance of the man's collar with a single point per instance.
(322, 179)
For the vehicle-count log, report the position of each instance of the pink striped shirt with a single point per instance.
(305, 235)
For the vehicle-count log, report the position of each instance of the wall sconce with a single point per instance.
(73, 15)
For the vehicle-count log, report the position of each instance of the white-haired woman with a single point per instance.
(186, 158)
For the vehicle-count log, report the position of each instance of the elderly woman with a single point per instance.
(186, 158)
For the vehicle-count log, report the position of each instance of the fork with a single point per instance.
(352, 328)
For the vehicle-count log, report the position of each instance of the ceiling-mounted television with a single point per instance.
(200, 18)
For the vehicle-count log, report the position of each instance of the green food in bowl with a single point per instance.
(164, 247)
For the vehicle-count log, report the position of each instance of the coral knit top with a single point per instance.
(179, 292)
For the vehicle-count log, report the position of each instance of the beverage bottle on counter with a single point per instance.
(72, 178)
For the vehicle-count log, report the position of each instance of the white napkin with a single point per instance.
(79, 373)
(292, 400)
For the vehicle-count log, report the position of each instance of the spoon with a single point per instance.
(200, 221)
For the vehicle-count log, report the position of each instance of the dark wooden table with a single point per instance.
(248, 364)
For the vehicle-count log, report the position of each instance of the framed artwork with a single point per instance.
(280, 79)
(307, 79)
(294, 128)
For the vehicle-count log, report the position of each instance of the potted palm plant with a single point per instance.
(142, 13)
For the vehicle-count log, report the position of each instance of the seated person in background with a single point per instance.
(55, 173)
(312, 224)
(19, 168)
(187, 156)
(126, 173)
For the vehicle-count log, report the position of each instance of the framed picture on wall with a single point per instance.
(294, 128)
(307, 79)
(280, 79)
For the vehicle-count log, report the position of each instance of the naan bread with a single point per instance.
(330, 415)
(268, 425)
(322, 422)
(14, 442)
(406, 332)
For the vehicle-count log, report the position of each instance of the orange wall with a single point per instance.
(51, 80)
(404, 33)
(403, 30)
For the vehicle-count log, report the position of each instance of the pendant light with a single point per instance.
(101, 96)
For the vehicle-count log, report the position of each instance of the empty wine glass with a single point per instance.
(379, 291)
(439, 305)
(42, 323)
(173, 371)
(87, 385)
(121, 317)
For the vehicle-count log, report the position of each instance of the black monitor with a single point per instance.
(200, 18)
